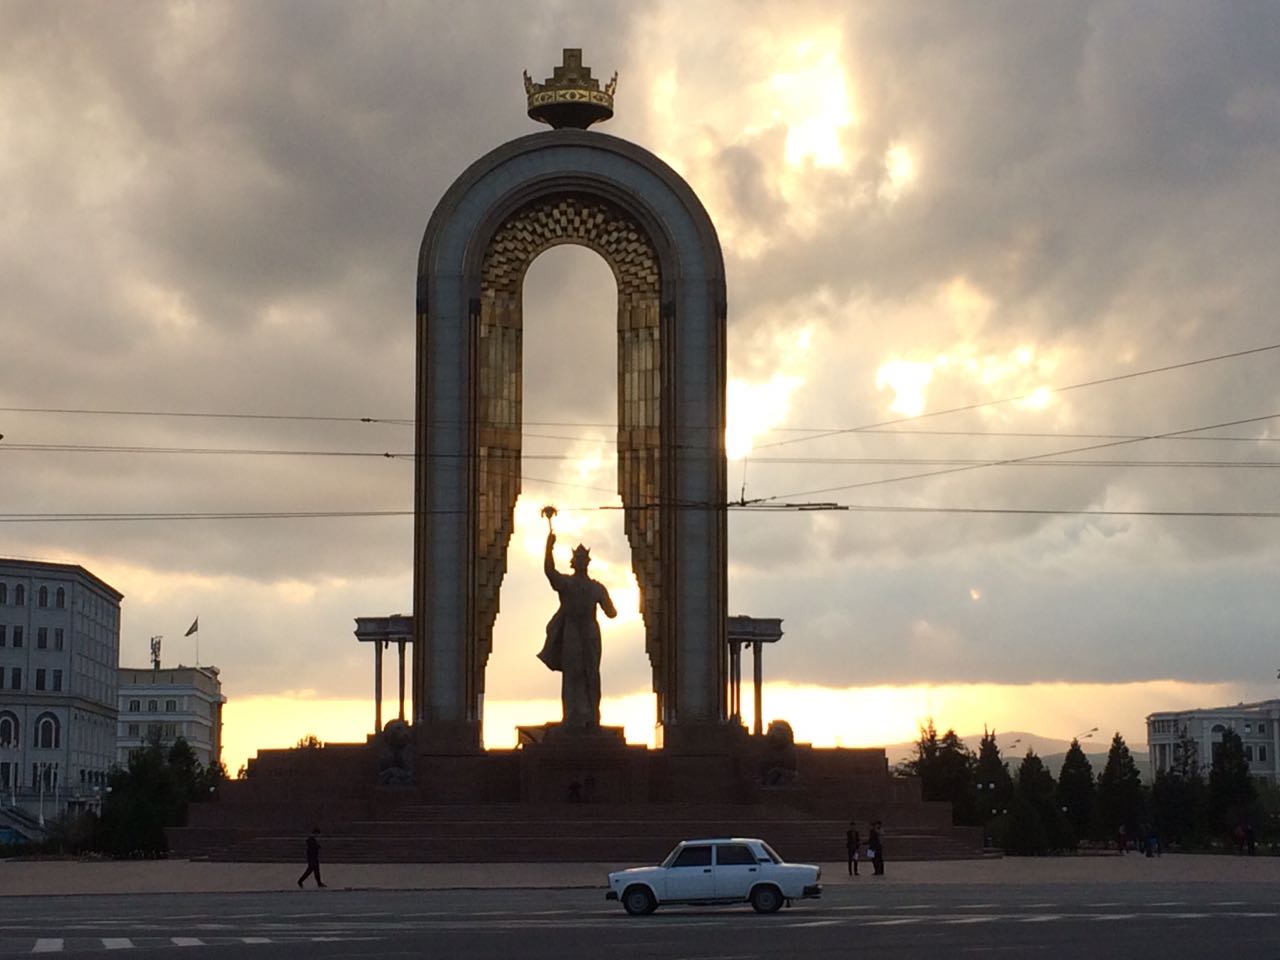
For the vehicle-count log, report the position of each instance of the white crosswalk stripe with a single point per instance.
(187, 941)
(48, 945)
(117, 943)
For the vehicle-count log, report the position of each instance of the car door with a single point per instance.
(690, 875)
(735, 870)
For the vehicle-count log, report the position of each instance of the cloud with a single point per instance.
(219, 207)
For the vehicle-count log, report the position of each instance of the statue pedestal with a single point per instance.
(563, 765)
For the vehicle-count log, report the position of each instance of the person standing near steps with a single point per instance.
(313, 858)
(851, 842)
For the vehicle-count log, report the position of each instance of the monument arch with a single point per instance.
(590, 189)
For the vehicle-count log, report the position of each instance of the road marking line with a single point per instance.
(186, 941)
(892, 923)
(48, 945)
(971, 920)
(255, 939)
(117, 943)
(1041, 918)
(1113, 916)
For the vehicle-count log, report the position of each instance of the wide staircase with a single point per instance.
(569, 833)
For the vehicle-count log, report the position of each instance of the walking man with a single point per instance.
(313, 858)
(851, 841)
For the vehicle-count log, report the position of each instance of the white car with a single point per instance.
(729, 870)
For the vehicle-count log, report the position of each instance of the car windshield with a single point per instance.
(771, 852)
(671, 857)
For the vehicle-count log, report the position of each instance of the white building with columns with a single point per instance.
(1257, 725)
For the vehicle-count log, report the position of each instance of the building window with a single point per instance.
(8, 730)
(60, 599)
(1248, 727)
(42, 638)
(48, 734)
(135, 706)
(42, 597)
(4, 635)
(1262, 753)
(17, 637)
(15, 678)
(135, 730)
(171, 706)
(154, 731)
(4, 593)
(57, 681)
(19, 596)
(152, 707)
(1248, 752)
(40, 678)
(57, 638)
(1262, 724)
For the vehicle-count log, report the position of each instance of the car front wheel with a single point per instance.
(766, 899)
(639, 902)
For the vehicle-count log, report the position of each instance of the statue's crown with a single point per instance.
(570, 97)
(581, 555)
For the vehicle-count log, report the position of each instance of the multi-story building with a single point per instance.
(164, 703)
(1257, 724)
(59, 650)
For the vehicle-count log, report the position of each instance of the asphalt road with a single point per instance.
(1155, 919)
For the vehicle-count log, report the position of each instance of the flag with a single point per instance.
(195, 625)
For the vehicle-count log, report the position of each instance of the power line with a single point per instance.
(1016, 460)
(818, 434)
(563, 457)
(744, 508)
(1064, 389)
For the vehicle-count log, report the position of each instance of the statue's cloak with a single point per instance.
(552, 652)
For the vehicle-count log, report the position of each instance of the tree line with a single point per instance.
(150, 793)
(1191, 805)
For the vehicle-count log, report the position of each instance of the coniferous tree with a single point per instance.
(1035, 785)
(1231, 789)
(945, 768)
(1118, 802)
(1179, 796)
(1076, 789)
(994, 784)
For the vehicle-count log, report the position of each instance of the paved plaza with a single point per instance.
(65, 877)
(1105, 908)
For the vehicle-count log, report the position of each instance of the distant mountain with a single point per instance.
(1051, 750)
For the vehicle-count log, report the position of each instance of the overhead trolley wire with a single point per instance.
(1024, 396)
(818, 434)
(1010, 461)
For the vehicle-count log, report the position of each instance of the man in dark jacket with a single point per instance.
(851, 842)
(313, 858)
(875, 848)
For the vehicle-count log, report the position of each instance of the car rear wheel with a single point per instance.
(639, 902)
(766, 899)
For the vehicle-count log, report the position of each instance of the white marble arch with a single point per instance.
(686, 626)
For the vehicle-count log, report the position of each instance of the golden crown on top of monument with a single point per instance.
(570, 97)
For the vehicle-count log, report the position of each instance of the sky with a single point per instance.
(944, 222)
